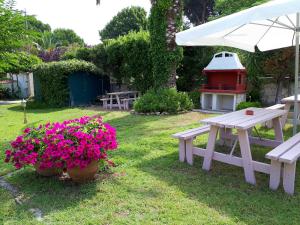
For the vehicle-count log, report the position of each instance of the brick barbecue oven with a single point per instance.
(225, 85)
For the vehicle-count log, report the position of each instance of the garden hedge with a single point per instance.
(163, 101)
(52, 79)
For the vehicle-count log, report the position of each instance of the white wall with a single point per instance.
(24, 81)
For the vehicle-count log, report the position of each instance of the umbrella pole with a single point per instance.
(295, 120)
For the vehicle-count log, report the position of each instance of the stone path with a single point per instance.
(18, 196)
(10, 102)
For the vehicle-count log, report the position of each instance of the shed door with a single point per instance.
(84, 88)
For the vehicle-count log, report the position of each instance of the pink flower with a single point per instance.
(68, 144)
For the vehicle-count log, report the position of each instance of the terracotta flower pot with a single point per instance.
(79, 175)
(47, 172)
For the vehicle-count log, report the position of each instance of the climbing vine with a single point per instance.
(165, 22)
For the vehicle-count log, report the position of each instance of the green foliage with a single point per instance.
(244, 105)
(13, 32)
(65, 37)
(198, 11)
(227, 7)
(163, 100)
(190, 70)
(195, 97)
(126, 58)
(53, 79)
(5, 93)
(17, 62)
(34, 24)
(165, 54)
(129, 19)
(71, 52)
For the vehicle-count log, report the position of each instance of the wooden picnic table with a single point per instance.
(118, 95)
(289, 101)
(243, 124)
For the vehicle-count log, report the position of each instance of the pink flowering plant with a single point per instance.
(66, 145)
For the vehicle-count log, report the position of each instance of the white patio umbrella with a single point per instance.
(273, 25)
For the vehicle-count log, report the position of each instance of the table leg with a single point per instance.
(210, 147)
(118, 100)
(246, 156)
(110, 103)
(278, 129)
(284, 117)
(226, 137)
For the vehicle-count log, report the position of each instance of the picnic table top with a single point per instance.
(290, 99)
(122, 93)
(240, 120)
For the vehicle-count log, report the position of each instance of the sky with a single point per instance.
(83, 16)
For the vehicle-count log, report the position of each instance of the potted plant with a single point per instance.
(76, 146)
(89, 139)
(28, 149)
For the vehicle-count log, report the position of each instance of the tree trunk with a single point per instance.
(173, 13)
(278, 90)
(164, 22)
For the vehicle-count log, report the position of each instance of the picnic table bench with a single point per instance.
(186, 142)
(277, 106)
(288, 102)
(285, 154)
(126, 101)
(122, 99)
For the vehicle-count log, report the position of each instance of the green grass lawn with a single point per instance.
(149, 185)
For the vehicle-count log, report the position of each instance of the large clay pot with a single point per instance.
(79, 175)
(47, 172)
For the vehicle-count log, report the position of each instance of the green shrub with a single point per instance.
(195, 96)
(244, 105)
(4, 93)
(53, 80)
(163, 100)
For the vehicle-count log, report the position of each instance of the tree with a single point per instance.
(13, 32)
(129, 19)
(227, 7)
(65, 37)
(34, 24)
(198, 11)
(165, 22)
(280, 65)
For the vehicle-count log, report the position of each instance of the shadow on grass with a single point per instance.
(50, 194)
(224, 189)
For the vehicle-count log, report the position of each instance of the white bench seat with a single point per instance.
(285, 154)
(104, 102)
(186, 142)
(277, 106)
(269, 124)
(126, 101)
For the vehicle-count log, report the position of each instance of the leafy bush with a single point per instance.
(195, 96)
(244, 105)
(163, 100)
(4, 93)
(53, 80)
(126, 58)
(17, 62)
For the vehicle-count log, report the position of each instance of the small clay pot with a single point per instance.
(249, 112)
(86, 174)
(47, 172)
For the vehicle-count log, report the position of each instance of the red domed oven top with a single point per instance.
(225, 74)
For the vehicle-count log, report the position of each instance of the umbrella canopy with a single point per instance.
(269, 26)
